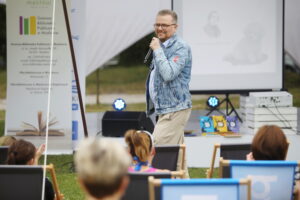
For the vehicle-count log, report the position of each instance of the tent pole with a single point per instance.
(75, 68)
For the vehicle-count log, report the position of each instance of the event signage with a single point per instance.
(34, 51)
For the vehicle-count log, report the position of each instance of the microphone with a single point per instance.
(148, 55)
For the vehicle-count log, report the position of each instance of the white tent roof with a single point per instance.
(292, 29)
(114, 25)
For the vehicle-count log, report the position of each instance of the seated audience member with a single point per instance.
(101, 166)
(7, 140)
(22, 152)
(269, 143)
(140, 144)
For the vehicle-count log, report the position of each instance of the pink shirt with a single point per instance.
(150, 169)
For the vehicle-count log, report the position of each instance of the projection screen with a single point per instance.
(237, 45)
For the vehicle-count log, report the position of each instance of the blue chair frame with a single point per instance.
(270, 179)
(177, 189)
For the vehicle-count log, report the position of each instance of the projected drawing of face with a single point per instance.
(248, 50)
(211, 28)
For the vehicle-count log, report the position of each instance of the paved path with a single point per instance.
(129, 98)
(109, 98)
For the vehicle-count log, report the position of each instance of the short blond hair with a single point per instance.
(101, 165)
(168, 12)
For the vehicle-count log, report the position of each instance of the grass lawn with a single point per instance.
(66, 178)
(2, 84)
(68, 182)
(129, 80)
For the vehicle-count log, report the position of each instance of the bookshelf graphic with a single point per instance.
(27, 26)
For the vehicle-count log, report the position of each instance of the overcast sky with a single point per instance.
(2, 1)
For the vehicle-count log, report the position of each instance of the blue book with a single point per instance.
(206, 124)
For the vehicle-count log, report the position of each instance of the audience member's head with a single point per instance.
(22, 152)
(140, 144)
(269, 143)
(102, 166)
(7, 140)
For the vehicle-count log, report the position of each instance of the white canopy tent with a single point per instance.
(292, 29)
(114, 25)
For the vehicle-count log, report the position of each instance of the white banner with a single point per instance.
(78, 21)
(29, 33)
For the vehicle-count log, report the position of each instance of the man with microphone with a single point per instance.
(168, 81)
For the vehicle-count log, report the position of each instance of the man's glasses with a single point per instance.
(163, 26)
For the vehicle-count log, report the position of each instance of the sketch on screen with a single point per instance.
(211, 28)
(248, 50)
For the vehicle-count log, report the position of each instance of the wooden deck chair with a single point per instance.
(270, 179)
(21, 182)
(138, 185)
(25, 182)
(228, 152)
(287, 150)
(3, 154)
(297, 190)
(58, 195)
(167, 156)
(198, 189)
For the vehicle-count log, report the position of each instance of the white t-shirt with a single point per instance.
(151, 81)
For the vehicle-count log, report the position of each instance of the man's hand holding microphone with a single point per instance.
(154, 44)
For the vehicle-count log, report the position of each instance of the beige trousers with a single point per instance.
(169, 130)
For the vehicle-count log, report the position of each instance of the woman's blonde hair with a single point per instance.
(101, 165)
(7, 140)
(140, 144)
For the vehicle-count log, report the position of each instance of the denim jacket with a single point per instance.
(171, 79)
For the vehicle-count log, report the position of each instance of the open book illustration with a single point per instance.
(40, 130)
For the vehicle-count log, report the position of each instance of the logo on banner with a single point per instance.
(27, 25)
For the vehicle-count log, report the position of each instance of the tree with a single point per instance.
(3, 35)
(135, 54)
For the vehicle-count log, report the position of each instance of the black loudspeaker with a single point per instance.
(116, 123)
